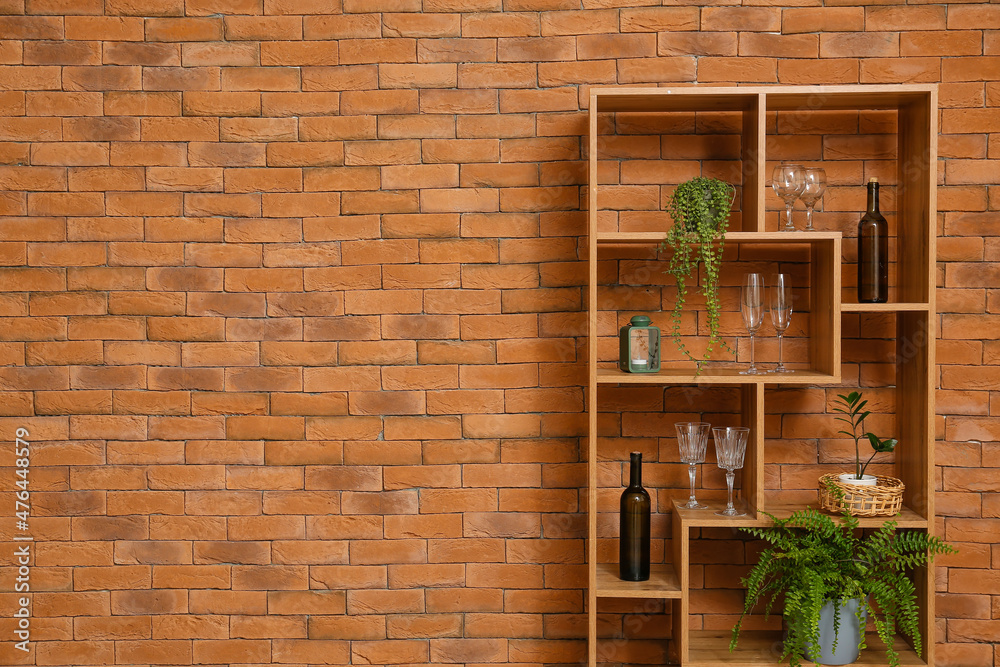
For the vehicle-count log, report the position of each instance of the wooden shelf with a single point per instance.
(662, 583)
(743, 98)
(708, 517)
(622, 238)
(907, 518)
(884, 307)
(672, 99)
(710, 648)
(713, 376)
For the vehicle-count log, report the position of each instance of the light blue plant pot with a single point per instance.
(848, 637)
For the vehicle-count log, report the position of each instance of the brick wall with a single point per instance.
(291, 309)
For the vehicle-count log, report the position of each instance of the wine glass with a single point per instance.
(730, 446)
(692, 440)
(752, 308)
(781, 313)
(788, 181)
(815, 185)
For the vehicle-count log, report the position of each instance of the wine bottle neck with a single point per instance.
(873, 197)
(635, 470)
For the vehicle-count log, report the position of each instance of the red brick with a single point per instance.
(305, 650)
(183, 29)
(270, 577)
(152, 502)
(379, 102)
(92, 652)
(897, 70)
(247, 553)
(258, 129)
(127, 53)
(342, 26)
(260, 78)
(257, 627)
(228, 602)
(105, 77)
(208, 54)
(110, 627)
(347, 627)
(225, 650)
(31, 27)
(115, 577)
(209, 103)
(464, 600)
(262, 27)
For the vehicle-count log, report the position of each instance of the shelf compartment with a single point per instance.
(732, 375)
(630, 181)
(710, 648)
(662, 583)
(629, 281)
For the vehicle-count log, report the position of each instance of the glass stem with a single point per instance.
(730, 478)
(753, 364)
(781, 365)
(788, 217)
(809, 218)
(691, 474)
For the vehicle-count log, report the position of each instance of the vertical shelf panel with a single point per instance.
(753, 462)
(753, 166)
(681, 607)
(592, 212)
(915, 382)
(917, 202)
(824, 339)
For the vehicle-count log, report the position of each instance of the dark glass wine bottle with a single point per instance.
(873, 251)
(634, 536)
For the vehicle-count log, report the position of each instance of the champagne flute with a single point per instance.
(781, 313)
(815, 185)
(752, 308)
(788, 181)
(692, 440)
(730, 447)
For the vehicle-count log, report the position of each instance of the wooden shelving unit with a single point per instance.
(709, 648)
(618, 231)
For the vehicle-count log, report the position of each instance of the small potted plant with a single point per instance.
(833, 578)
(853, 407)
(700, 210)
(859, 493)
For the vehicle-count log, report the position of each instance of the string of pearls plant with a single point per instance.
(700, 209)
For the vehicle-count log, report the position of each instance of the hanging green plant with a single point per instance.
(700, 209)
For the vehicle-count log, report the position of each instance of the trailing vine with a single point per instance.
(700, 209)
(811, 558)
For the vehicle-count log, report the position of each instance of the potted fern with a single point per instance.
(833, 579)
(700, 210)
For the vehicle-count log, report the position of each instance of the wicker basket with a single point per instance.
(883, 499)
